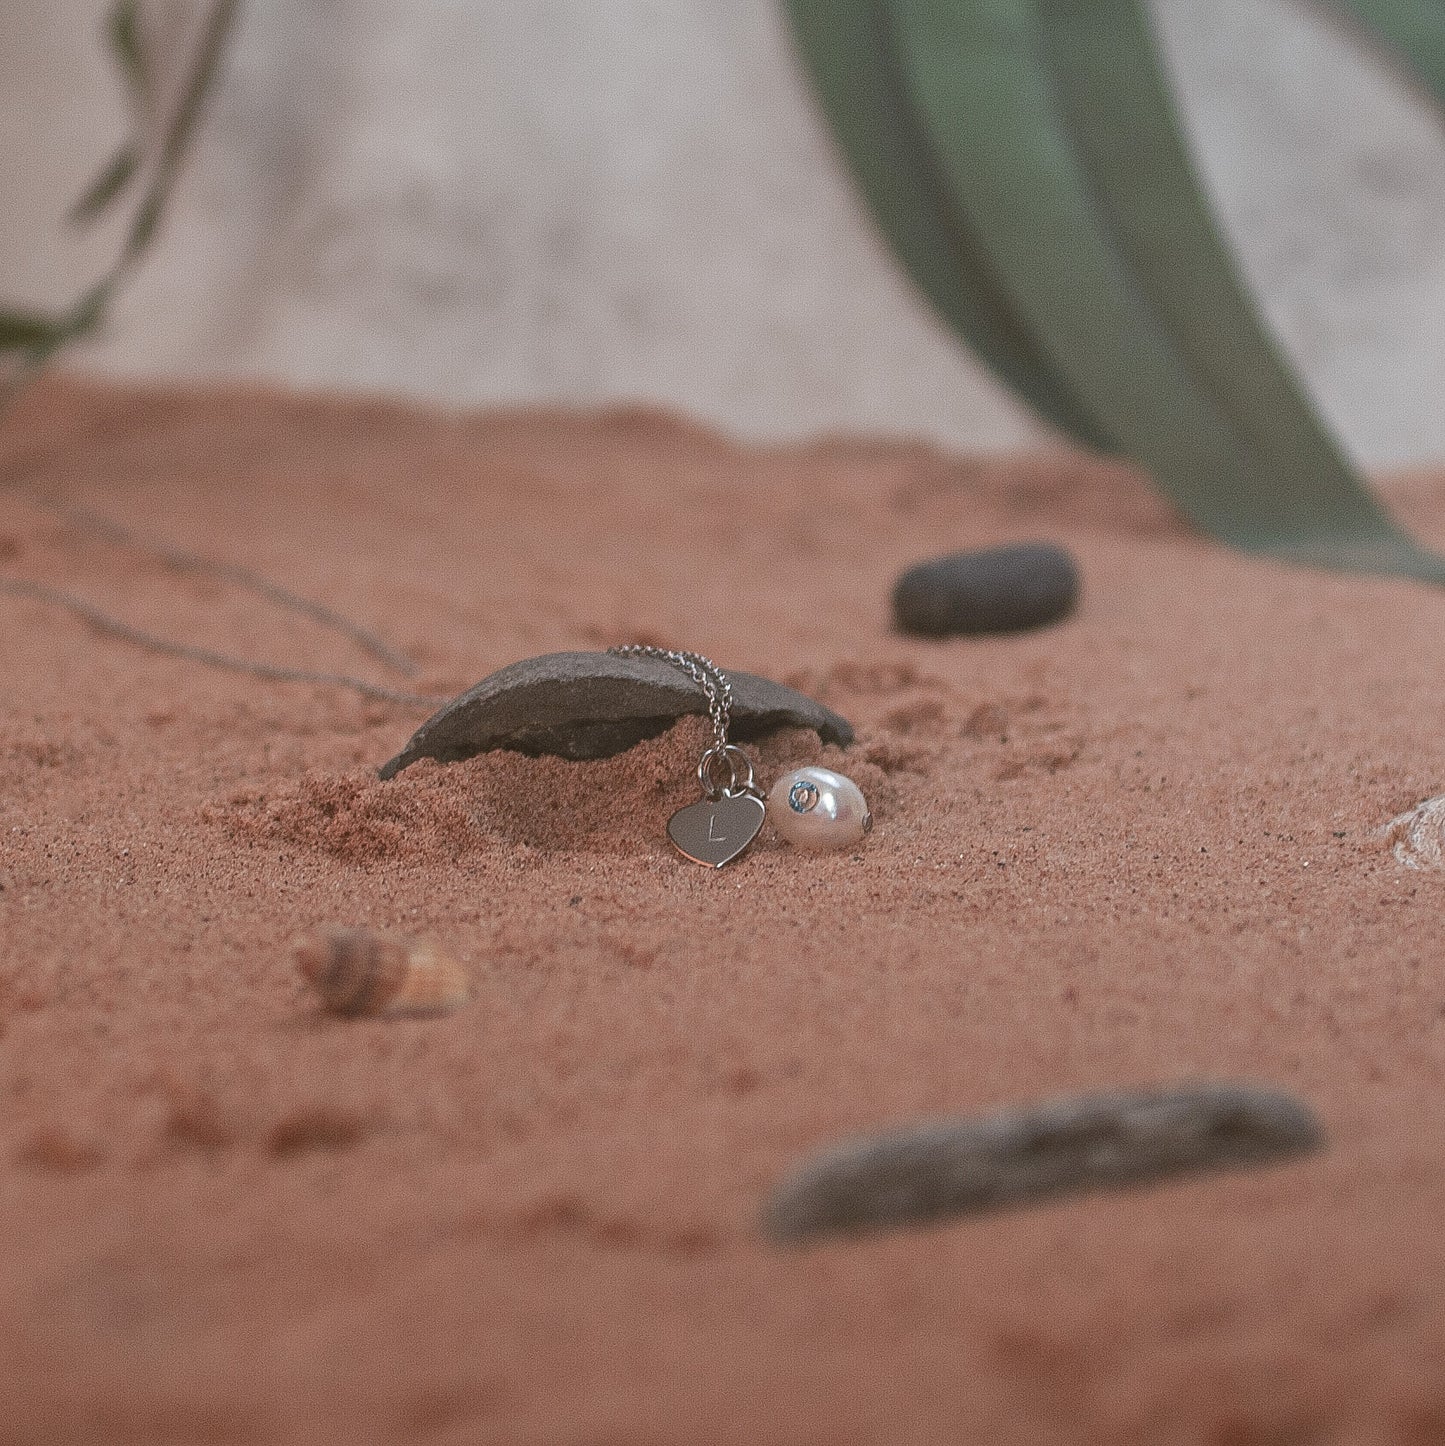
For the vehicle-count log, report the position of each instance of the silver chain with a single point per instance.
(714, 683)
(704, 672)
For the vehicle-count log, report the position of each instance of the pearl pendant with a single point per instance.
(815, 808)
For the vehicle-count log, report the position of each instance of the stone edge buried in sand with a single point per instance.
(968, 1166)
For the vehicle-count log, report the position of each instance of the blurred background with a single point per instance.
(579, 201)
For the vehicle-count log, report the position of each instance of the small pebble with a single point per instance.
(997, 590)
(1418, 836)
(965, 1167)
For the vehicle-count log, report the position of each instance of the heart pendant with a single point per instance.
(715, 831)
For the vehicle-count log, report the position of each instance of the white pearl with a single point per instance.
(816, 808)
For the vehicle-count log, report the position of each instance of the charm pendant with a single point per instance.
(812, 808)
(716, 829)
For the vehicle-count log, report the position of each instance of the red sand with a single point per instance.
(1136, 847)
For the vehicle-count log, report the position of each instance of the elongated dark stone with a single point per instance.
(592, 705)
(964, 1167)
(996, 590)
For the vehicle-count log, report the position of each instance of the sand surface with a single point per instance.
(1134, 848)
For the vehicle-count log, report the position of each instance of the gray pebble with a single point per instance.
(964, 1167)
(997, 590)
(592, 705)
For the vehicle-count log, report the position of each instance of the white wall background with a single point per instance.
(580, 200)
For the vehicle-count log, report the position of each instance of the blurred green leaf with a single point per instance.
(25, 330)
(844, 43)
(40, 334)
(145, 223)
(1413, 29)
(1116, 106)
(123, 37)
(32, 339)
(123, 34)
(90, 310)
(106, 187)
(208, 53)
(1056, 144)
(37, 338)
(178, 134)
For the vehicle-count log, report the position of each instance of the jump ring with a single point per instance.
(735, 757)
(705, 767)
(740, 771)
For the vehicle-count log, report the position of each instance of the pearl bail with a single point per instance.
(815, 808)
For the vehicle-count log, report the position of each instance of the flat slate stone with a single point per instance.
(995, 590)
(593, 705)
(965, 1167)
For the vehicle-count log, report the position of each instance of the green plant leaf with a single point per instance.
(209, 50)
(984, 76)
(36, 339)
(25, 330)
(38, 334)
(842, 42)
(33, 339)
(123, 37)
(145, 223)
(178, 134)
(1413, 29)
(1120, 115)
(89, 312)
(107, 186)
(123, 34)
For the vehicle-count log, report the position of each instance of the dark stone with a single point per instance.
(965, 1167)
(997, 590)
(592, 705)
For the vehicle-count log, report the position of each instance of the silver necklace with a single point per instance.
(810, 807)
